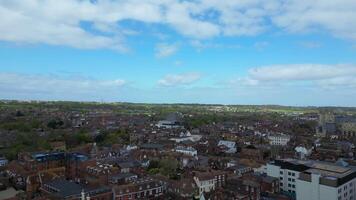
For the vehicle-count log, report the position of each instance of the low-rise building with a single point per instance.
(278, 139)
(140, 189)
(348, 129)
(67, 190)
(229, 145)
(186, 150)
(209, 181)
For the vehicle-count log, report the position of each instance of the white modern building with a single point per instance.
(190, 151)
(278, 139)
(314, 180)
(287, 171)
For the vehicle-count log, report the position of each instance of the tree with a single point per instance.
(168, 166)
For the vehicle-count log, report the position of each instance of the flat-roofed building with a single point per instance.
(314, 180)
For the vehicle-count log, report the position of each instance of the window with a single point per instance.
(293, 174)
(339, 190)
(280, 178)
(289, 173)
(280, 172)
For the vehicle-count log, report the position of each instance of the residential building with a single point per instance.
(140, 189)
(348, 129)
(67, 190)
(209, 181)
(186, 150)
(278, 139)
(230, 145)
(240, 169)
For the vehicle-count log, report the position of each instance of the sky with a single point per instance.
(285, 52)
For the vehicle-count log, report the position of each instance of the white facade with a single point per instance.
(193, 138)
(303, 152)
(315, 191)
(313, 180)
(229, 144)
(287, 178)
(186, 150)
(279, 140)
(205, 185)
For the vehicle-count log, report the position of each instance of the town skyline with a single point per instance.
(251, 52)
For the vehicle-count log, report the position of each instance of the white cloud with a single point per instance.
(301, 72)
(53, 86)
(61, 22)
(336, 17)
(179, 79)
(327, 76)
(201, 45)
(165, 50)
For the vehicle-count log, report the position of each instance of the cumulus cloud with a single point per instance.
(61, 22)
(165, 50)
(179, 79)
(321, 75)
(56, 87)
(335, 17)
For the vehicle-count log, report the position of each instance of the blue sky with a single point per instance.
(291, 52)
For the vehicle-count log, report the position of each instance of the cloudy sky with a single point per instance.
(288, 52)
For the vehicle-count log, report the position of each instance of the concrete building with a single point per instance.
(279, 139)
(314, 180)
